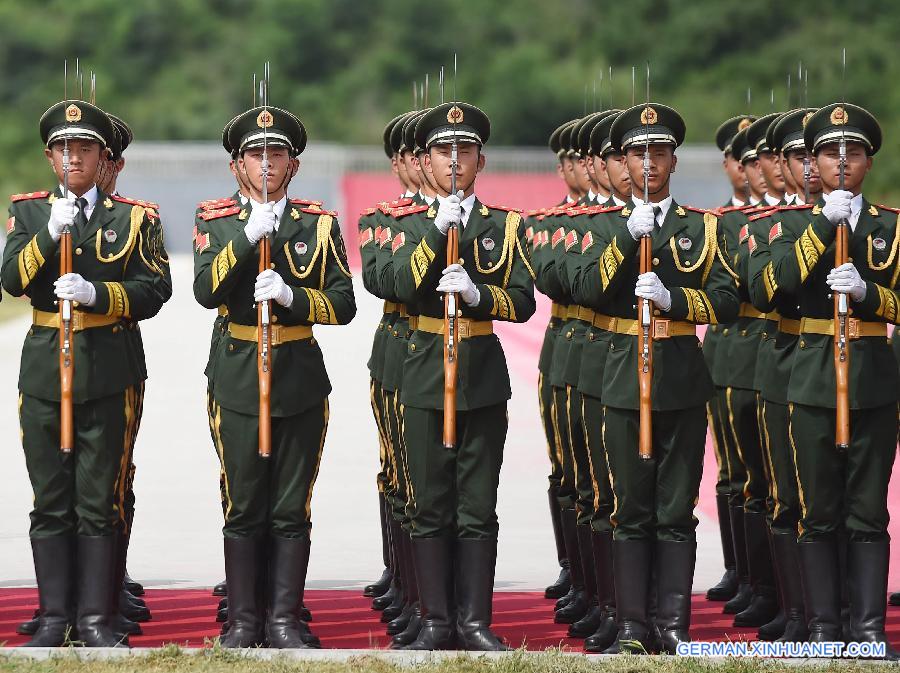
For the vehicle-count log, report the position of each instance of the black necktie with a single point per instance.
(80, 214)
(656, 213)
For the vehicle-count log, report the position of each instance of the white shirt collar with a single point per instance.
(427, 199)
(279, 207)
(408, 194)
(90, 196)
(771, 200)
(790, 199)
(466, 204)
(736, 202)
(243, 199)
(591, 196)
(617, 201)
(569, 199)
(663, 206)
(754, 201)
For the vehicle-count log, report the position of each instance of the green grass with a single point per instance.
(13, 307)
(172, 660)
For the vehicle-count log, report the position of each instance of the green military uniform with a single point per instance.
(453, 492)
(722, 439)
(79, 497)
(268, 499)
(843, 490)
(654, 499)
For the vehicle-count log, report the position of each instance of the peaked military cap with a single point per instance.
(653, 122)
(279, 128)
(556, 141)
(397, 144)
(584, 128)
(599, 140)
(785, 134)
(225, 142)
(842, 120)
(756, 132)
(76, 120)
(409, 132)
(124, 136)
(729, 128)
(386, 135)
(565, 138)
(741, 149)
(444, 122)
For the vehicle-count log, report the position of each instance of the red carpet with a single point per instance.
(344, 619)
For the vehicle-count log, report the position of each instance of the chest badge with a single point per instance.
(300, 248)
(110, 236)
(487, 243)
(685, 243)
(879, 244)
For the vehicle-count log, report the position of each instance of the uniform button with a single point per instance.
(459, 313)
(569, 334)
(412, 347)
(271, 265)
(687, 263)
(312, 341)
(725, 332)
(274, 318)
(656, 312)
(591, 336)
(77, 251)
(764, 336)
(490, 264)
(115, 329)
(231, 347)
(743, 332)
(850, 259)
(802, 344)
(462, 262)
(612, 347)
(303, 268)
(395, 332)
(656, 261)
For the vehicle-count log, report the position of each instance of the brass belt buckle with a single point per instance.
(660, 328)
(853, 328)
(274, 335)
(77, 321)
(462, 328)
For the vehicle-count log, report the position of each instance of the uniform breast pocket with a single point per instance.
(880, 251)
(301, 256)
(489, 254)
(111, 245)
(687, 253)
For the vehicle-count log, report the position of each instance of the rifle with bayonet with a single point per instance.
(451, 301)
(645, 312)
(264, 308)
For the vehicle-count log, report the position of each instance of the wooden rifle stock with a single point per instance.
(66, 355)
(645, 359)
(451, 344)
(264, 358)
(841, 348)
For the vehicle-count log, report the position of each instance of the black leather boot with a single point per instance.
(593, 618)
(894, 599)
(121, 625)
(396, 606)
(221, 589)
(96, 576)
(390, 596)
(867, 575)
(398, 625)
(474, 565)
(53, 569)
(242, 571)
(741, 599)
(774, 629)
(288, 561)
(763, 604)
(411, 632)
(577, 606)
(562, 584)
(820, 570)
(784, 547)
(434, 565)
(605, 634)
(674, 576)
(381, 585)
(30, 627)
(305, 614)
(133, 587)
(727, 586)
(632, 560)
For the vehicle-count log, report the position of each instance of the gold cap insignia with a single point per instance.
(455, 115)
(264, 119)
(73, 114)
(649, 116)
(743, 124)
(838, 116)
(807, 117)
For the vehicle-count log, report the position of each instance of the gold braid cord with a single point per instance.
(30, 262)
(421, 259)
(700, 310)
(504, 309)
(808, 249)
(609, 263)
(222, 264)
(118, 300)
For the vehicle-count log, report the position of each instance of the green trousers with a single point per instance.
(737, 473)
(375, 398)
(576, 488)
(398, 492)
(269, 496)
(454, 491)
(592, 419)
(743, 421)
(545, 404)
(654, 499)
(785, 496)
(844, 489)
(716, 431)
(82, 492)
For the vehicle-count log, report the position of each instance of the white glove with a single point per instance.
(260, 223)
(846, 279)
(641, 221)
(271, 287)
(649, 286)
(455, 279)
(73, 287)
(449, 212)
(62, 215)
(837, 206)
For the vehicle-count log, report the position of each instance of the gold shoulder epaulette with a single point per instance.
(222, 212)
(796, 206)
(367, 211)
(401, 202)
(409, 210)
(28, 196)
(506, 208)
(305, 202)
(216, 204)
(315, 210)
(134, 202)
(596, 210)
(765, 213)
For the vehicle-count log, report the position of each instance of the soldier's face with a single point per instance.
(857, 165)
(662, 165)
(795, 166)
(771, 170)
(617, 171)
(597, 167)
(281, 169)
(411, 173)
(789, 183)
(568, 167)
(85, 157)
(470, 162)
(582, 176)
(427, 181)
(755, 178)
(734, 169)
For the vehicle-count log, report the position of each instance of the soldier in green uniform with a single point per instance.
(727, 587)
(79, 513)
(598, 190)
(740, 351)
(843, 493)
(267, 516)
(653, 522)
(453, 492)
(575, 179)
(773, 369)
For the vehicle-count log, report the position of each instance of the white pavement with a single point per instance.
(177, 533)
